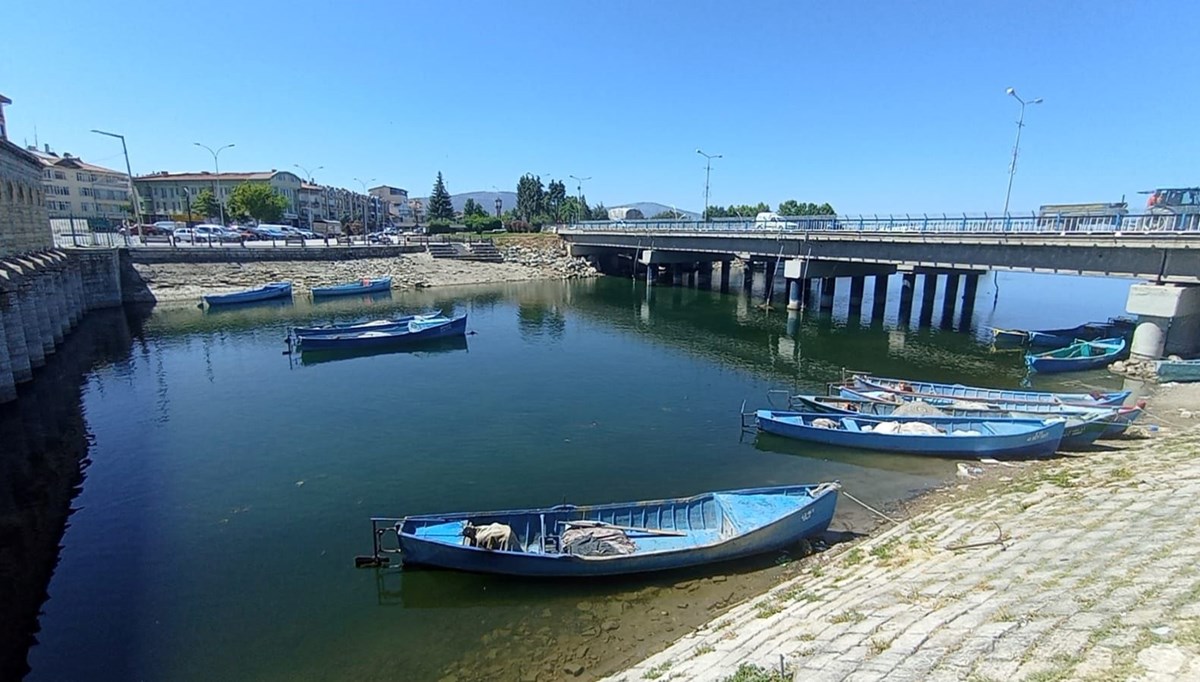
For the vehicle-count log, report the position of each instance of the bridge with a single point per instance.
(956, 250)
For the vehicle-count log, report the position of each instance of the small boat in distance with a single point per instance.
(263, 293)
(1058, 338)
(416, 331)
(1077, 356)
(373, 325)
(926, 389)
(936, 436)
(365, 286)
(1178, 370)
(610, 539)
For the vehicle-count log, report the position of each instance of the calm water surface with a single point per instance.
(230, 484)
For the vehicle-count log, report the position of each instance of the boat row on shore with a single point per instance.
(277, 290)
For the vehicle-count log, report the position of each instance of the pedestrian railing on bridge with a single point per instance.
(1025, 224)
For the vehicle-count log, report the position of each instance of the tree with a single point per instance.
(257, 200)
(737, 211)
(531, 197)
(440, 206)
(204, 204)
(473, 208)
(669, 215)
(556, 196)
(598, 212)
(791, 207)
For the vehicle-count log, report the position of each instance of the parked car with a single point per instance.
(243, 232)
(185, 235)
(299, 232)
(269, 232)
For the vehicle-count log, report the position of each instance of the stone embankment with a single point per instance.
(189, 281)
(1145, 370)
(1082, 568)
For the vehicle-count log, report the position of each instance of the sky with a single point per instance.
(873, 106)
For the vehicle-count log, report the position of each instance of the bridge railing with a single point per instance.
(1089, 223)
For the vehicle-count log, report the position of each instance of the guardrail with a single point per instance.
(1042, 224)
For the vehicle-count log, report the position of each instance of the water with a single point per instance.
(230, 484)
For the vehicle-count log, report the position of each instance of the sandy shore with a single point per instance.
(187, 282)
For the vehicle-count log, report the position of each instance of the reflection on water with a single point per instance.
(444, 345)
(232, 483)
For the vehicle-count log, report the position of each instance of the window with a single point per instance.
(85, 207)
(60, 175)
(86, 192)
(59, 191)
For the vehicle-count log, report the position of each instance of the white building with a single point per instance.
(75, 189)
(395, 202)
(169, 195)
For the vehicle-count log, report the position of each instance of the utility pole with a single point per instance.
(579, 193)
(1012, 168)
(137, 205)
(707, 172)
(217, 166)
(365, 201)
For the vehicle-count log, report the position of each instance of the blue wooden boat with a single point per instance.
(1059, 338)
(1080, 431)
(365, 286)
(1116, 419)
(373, 325)
(1078, 356)
(416, 331)
(925, 389)
(650, 536)
(954, 437)
(263, 293)
(1178, 370)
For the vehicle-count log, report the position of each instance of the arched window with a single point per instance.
(9, 194)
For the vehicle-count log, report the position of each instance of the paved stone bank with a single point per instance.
(1097, 578)
(240, 254)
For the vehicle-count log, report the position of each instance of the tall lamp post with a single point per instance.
(707, 172)
(365, 201)
(137, 205)
(1012, 168)
(579, 194)
(310, 181)
(217, 166)
(187, 196)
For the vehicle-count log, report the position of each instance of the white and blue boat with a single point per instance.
(927, 389)
(1078, 356)
(373, 325)
(365, 286)
(414, 332)
(266, 292)
(611, 539)
(938, 436)
(1058, 338)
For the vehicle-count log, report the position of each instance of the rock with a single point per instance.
(609, 625)
(1118, 366)
(573, 669)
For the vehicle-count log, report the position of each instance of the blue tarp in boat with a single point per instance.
(946, 437)
(263, 293)
(658, 534)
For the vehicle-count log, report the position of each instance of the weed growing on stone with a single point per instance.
(703, 649)
(847, 616)
(658, 670)
(747, 672)
(766, 609)
(854, 556)
(878, 645)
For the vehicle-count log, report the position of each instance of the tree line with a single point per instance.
(791, 207)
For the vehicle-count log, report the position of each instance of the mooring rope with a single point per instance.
(869, 508)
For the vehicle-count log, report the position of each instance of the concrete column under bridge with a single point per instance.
(928, 294)
(970, 291)
(726, 266)
(805, 270)
(879, 297)
(908, 288)
(950, 300)
(1168, 320)
(828, 291)
(857, 286)
(748, 277)
(705, 275)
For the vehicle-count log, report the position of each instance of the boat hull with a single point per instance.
(352, 288)
(810, 517)
(1078, 357)
(386, 339)
(992, 395)
(374, 325)
(1178, 370)
(1027, 438)
(266, 293)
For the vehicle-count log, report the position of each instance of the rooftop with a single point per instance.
(49, 158)
(206, 175)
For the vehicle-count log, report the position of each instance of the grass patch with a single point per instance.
(847, 616)
(721, 625)
(854, 556)
(806, 636)
(766, 609)
(703, 649)
(1061, 479)
(878, 645)
(747, 672)
(884, 550)
(799, 594)
(1002, 615)
(658, 670)
(817, 571)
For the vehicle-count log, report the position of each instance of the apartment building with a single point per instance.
(169, 195)
(76, 189)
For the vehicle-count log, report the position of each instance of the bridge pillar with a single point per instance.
(706, 269)
(828, 289)
(1168, 320)
(651, 274)
(949, 300)
(726, 266)
(769, 286)
(908, 288)
(879, 300)
(928, 294)
(676, 274)
(794, 294)
(970, 290)
(805, 290)
(748, 277)
(793, 322)
(857, 286)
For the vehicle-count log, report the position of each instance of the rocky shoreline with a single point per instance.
(180, 282)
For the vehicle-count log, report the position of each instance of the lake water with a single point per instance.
(230, 485)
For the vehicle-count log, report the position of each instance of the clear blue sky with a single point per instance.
(872, 106)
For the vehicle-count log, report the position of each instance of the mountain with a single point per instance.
(651, 209)
(485, 199)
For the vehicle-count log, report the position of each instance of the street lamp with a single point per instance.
(364, 188)
(1012, 168)
(579, 191)
(707, 172)
(217, 166)
(187, 196)
(137, 206)
(308, 205)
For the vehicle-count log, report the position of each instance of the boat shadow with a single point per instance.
(443, 345)
(230, 309)
(375, 297)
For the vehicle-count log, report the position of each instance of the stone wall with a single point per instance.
(24, 225)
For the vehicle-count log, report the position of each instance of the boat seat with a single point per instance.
(850, 425)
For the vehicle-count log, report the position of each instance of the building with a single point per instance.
(24, 226)
(3, 128)
(75, 189)
(322, 202)
(395, 202)
(168, 196)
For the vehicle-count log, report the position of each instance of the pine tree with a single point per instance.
(440, 206)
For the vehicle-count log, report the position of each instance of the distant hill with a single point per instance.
(651, 209)
(485, 199)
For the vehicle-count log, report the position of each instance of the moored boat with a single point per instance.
(1178, 370)
(993, 395)
(1058, 338)
(263, 293)
(366, 286)
(610, 539)
(373, 325)
(937, 436)
(415, 331)
(1078, 356)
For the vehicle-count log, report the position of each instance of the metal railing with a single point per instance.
(964, 223)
